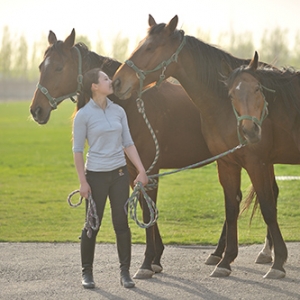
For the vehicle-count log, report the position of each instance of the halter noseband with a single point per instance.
(141, 75)
(264, 114)
(55, 101)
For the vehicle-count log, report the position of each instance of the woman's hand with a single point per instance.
(85, 190)
(142, 177)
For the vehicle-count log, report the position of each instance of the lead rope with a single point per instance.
(139, 189)
(92, 219)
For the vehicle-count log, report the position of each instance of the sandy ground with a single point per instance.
(52, 271)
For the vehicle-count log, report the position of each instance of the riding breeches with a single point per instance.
(114, 185)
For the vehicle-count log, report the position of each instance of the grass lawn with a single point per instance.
(37, 174)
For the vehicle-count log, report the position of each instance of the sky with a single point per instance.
(93, 18)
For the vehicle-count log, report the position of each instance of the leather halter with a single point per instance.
(55, 101)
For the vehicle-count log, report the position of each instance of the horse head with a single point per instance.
(59, 77)
(248, 100)
(152, 61)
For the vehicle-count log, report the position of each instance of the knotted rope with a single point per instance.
(92, 219)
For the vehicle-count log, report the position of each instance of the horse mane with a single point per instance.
(285, 82)
(209, 59)
(92, 59)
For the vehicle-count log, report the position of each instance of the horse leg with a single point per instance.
(146, 271)
(263, 183)
(215, 257)
(265, 255)
(230, 179)
(159, 249)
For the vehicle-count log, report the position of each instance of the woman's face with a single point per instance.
(104, 84)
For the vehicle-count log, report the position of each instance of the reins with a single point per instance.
(55, 101)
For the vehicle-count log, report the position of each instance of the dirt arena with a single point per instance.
(52, 271)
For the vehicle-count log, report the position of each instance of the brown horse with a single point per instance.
(165, 52)
(254, 90)
(172, 115)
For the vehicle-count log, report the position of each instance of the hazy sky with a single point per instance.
(33, 18)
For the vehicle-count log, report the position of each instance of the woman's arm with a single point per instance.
(134, 157)
(79, 165)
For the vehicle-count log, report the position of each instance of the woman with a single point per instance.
(104, 126)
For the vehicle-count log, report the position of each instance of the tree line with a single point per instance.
(19, 61)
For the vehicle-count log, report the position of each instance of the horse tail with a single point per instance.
(248, 200)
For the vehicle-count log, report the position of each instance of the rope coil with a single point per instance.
(92, 219)
(132, 201)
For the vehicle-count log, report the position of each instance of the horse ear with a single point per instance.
(225, 69)
(52, 38)
(70, 40)
(171, 26)
(254, 61)
(151, 21)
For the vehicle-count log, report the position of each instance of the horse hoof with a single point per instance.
(212, 260)
(263, 258)
(156, 268)
(220, 272)
(275, 274)
(143, 274)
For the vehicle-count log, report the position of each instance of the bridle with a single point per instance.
(141, 74)
(259, 122)
(55, 101)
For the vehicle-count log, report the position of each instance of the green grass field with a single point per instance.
(37, 174)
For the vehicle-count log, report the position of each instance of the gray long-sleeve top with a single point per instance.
(106, 132)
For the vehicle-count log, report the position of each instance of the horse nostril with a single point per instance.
(116, 84)
(35, 112)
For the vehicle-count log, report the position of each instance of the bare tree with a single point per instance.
(120, 48)
(295, 59)
(5, 54)
(99, 46)
(36, 58)
(274, 47)
(20, 61)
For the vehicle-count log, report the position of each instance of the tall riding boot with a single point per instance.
(87, 258)
(124, 252)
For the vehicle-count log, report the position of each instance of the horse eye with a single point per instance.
(58, 69)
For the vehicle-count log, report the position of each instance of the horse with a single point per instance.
(254, 90)
(177, 127)
(165, 52)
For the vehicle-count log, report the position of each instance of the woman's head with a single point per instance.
(90, 77)
(94, 81)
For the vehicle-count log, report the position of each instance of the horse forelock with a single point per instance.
(156, 28)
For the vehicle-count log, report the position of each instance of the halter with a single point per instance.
(141, 75)
(55, 101)
(264, 114)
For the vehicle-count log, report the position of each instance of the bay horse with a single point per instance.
(172, 115)
(165, 52)
(253, 89)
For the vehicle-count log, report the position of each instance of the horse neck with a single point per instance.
(203, 83)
